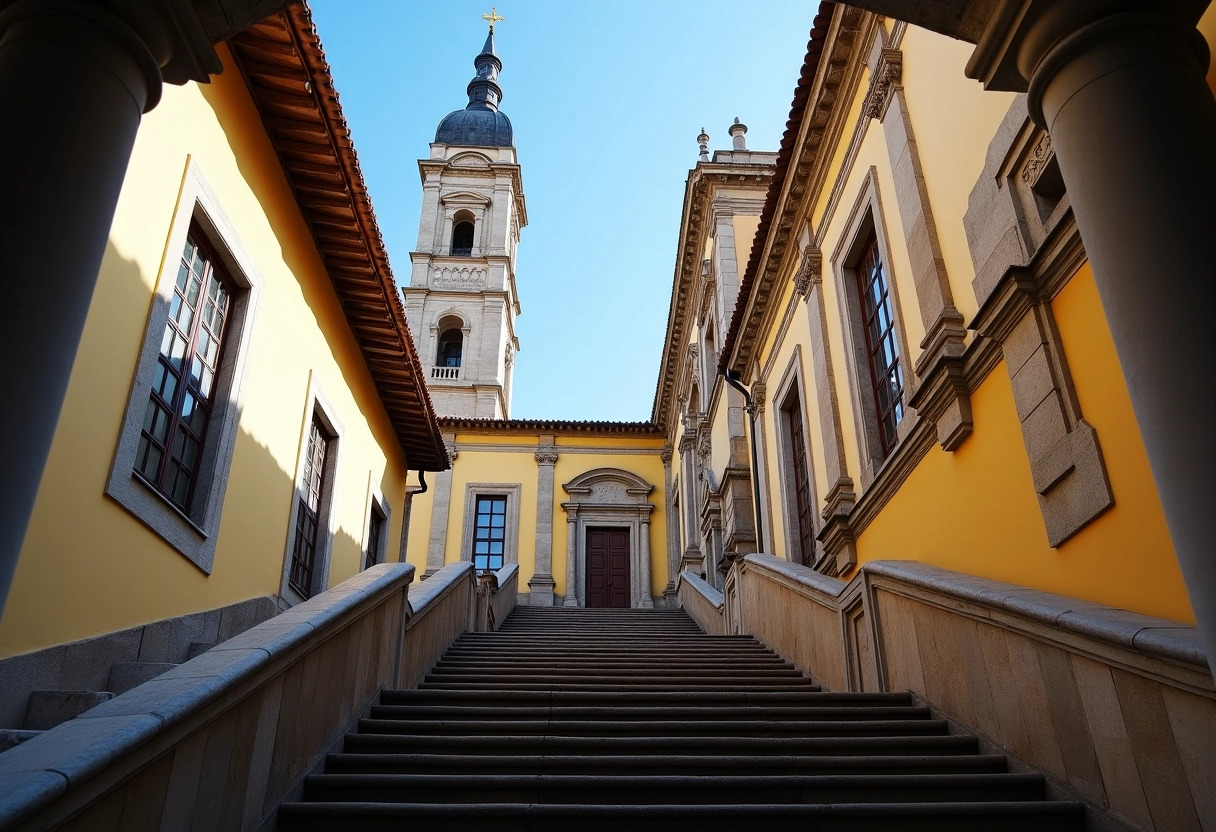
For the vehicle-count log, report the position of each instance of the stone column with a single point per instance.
(75, 79)
(437, 544)
(1121, 89)
(670, 520)
(571, 554)
(691, 558)
(542, 583)
(644, 600)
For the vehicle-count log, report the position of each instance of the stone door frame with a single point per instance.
(609, 497)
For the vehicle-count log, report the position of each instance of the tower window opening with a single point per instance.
(451, 345)
(462, 235)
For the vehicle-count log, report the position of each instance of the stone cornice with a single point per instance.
(700, 196)
(831, 57)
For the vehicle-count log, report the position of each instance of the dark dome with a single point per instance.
(475, 127)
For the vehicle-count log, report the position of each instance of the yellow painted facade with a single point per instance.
(512, 463)
(89, 566)
(973, 509)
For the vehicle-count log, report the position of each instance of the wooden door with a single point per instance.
(607, 568)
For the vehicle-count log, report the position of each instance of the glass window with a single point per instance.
(308, 511)
(183, 383)
(375, 530)
(886, 374)
(489, 533)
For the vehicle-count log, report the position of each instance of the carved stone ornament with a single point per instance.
(665, 454)
(759, 391)
(811, 272)
(1038, 159)
(887, 76)
(546, 457)
(452, 452)
(471, 276)
(510, 357)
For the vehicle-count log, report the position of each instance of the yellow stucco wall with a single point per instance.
(515, 463)
(974, 510)
(88, 566)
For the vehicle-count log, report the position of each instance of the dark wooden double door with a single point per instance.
(607, 567)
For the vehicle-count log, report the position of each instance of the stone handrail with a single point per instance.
(503, 597)
(703, 603)
(225, 737)
(1103, 701)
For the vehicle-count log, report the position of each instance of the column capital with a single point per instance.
(546, 457)
(1025, 44)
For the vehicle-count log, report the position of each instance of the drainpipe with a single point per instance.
(732, 378)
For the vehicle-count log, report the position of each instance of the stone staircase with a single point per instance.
(636, 719)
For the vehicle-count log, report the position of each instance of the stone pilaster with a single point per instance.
(436, 549)
(691, 558)
(940, 397)
(672, 521)
(542, 583)
(571, 554)
(835, 534)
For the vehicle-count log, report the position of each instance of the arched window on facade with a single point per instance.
(451, 346)
(462, 234)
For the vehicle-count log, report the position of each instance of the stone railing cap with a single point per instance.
(700, 585)
(1156, 637)
(798, 573)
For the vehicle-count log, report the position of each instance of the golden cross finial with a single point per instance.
(493, 17)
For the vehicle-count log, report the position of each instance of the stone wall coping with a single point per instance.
(433, 588)
(507, 573)
(40, 770)
(796, 573)
(1155, 637)
(700, 585)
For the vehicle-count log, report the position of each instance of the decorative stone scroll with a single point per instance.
(887, 75)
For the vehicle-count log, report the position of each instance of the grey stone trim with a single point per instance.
(884, 81)
(315, 402)
(1067, 622)
(943, 345)
(437, 540)
(472, 491)
(193, 533)
(1065, 459)
(791, 384)
(868, 214)
(85, 664)
(375, 499)
(486, 447)
(608, 497)
(542, 583)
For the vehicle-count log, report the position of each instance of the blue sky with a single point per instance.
(606, 100)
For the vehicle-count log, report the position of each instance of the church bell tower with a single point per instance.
(462, 300)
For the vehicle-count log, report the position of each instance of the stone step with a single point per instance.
(712, 746)
(649, 713)
(48, 708)
(656, 672)
(127, 675)
(657, 698)
(1056, 816)
(685, 764)
(609, 720)
(648, 728)
(617, 789)
(555, 684)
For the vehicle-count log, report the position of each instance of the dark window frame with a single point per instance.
(802, 505)
(317, 469)
(463, 231)
(484, 528)
(883, 354)
(377, 523)
(172, 443)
